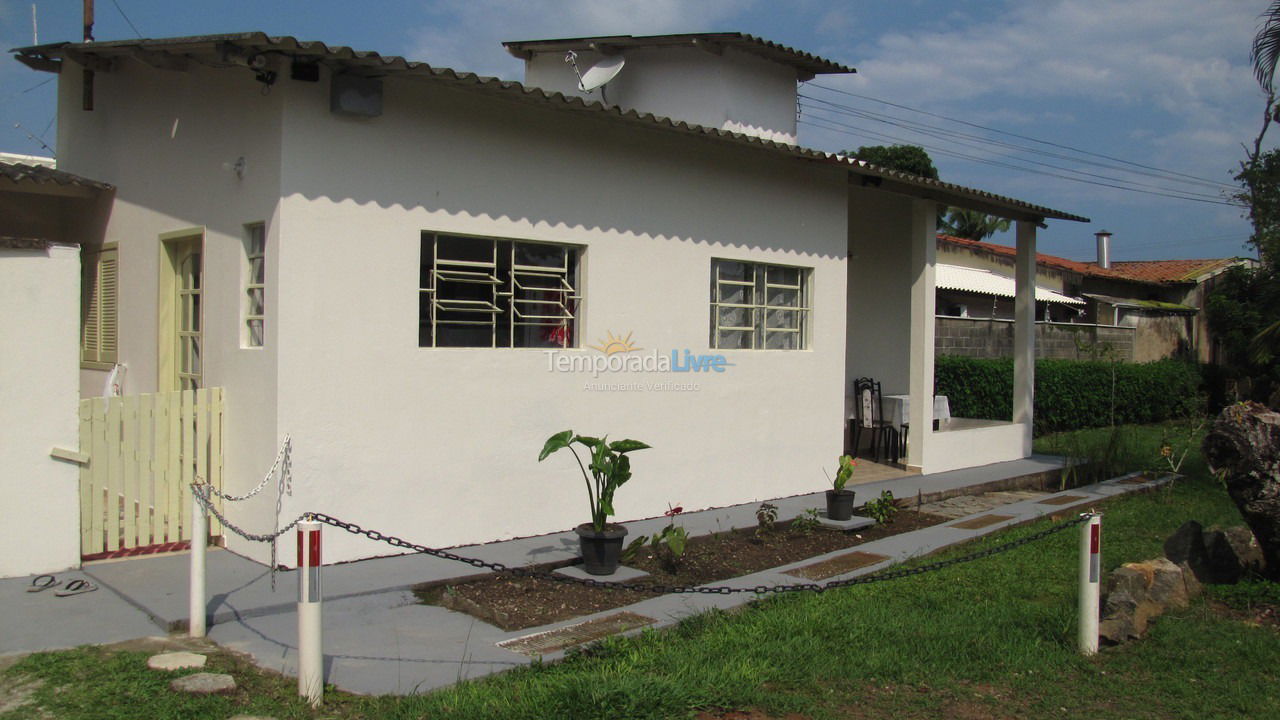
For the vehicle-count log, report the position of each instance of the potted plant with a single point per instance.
(839, 500)
(600, 541)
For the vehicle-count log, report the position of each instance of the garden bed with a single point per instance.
(514, 603)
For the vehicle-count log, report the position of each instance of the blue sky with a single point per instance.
(1164, 84)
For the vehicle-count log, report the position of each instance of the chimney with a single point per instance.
(1104, 249)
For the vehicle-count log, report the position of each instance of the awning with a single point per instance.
(1136, 304)
(985, 282)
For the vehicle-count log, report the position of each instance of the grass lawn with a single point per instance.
(989, 639)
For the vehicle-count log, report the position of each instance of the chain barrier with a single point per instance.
(284, 486)
(282, 463)
(703, 589)
(203, 496)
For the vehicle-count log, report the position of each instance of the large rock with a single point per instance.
(1244, 445)
(1186, 547)
(1136, 593)
(204, 684)
(1232, 554)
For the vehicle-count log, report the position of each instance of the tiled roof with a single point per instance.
(747, 43)
(1043, 260)
(221, 51)
(38, 174)
(1172, 271)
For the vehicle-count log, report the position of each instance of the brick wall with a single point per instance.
(980, 337)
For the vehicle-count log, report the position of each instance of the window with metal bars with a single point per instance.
(755, 306)
(490, 292)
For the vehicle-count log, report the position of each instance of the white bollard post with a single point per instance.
(310, 653)
(199, 540)
(1090, 582)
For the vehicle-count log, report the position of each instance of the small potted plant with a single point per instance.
(600, 541)
(839, 500)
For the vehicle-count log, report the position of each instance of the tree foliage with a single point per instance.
(972, 224)
(903, 158)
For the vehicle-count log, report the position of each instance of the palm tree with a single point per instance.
(1266, 48)
(972, 224)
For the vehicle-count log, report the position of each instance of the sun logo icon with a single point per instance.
(614, 344)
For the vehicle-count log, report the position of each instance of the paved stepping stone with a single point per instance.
(176, 661)
(204, 684)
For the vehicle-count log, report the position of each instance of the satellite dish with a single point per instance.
(601, 73)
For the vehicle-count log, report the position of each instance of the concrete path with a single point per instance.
(379, 640)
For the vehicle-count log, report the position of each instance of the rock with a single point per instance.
(1186, 547)
(1233, 553)
(176, 661)
(1244, 446)
(1137, 593)
(204, 684)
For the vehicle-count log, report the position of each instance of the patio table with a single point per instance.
(897, 409)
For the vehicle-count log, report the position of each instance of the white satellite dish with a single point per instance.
(601, 73)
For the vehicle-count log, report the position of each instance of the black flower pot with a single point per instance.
(600, 550)
(839, 504)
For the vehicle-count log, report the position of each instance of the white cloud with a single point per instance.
(468, 36)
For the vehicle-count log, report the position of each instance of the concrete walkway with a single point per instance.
(379, 640)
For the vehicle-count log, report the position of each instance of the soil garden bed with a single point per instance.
(514, 603)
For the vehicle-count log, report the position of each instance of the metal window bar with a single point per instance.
(255, 287)
(453, 270)
(542, 296)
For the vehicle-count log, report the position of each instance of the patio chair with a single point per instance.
(867, 417)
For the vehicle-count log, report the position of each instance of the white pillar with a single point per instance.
(197, 606)
(310, 625)
(1090, 582)
(924, 256)
(1024, 332)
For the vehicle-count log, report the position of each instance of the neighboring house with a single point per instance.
(1083, 308)
(45, 216)
(1186, 283)
(421, 274)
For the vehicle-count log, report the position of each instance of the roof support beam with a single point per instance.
(87, 61)
(1024, 332)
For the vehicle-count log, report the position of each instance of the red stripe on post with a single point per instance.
(315, 547)
(301, 532)
(1095, 538)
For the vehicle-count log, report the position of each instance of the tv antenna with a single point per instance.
(598, 75)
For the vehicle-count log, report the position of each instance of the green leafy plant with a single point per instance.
(766, 518)
(667, 546)
(610, 468)
(846, 465)
(806, 522)
(882, 509)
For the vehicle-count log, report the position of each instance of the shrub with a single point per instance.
(1073, 394)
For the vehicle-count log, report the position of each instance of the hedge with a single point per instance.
(1072, 394)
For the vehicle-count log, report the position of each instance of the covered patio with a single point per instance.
(891, 304)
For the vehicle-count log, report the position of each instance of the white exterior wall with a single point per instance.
(733, 91)
(39, 496)
(441, 445)
(879, 312)
(167, 140)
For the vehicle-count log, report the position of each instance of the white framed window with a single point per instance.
(756, 306)
(255, 285)
(99, 320)
(493, 292)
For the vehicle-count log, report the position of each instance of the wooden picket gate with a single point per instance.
(144, 451)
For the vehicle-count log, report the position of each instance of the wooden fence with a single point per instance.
(144, 451)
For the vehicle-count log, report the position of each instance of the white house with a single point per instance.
(421, 274)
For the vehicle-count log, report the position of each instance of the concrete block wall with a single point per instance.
(987, 338)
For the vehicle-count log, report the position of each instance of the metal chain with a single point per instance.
(286, 477)
(201, 494)
(704, 589)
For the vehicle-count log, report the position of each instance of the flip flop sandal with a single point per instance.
(43, 582)
(76, 587)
